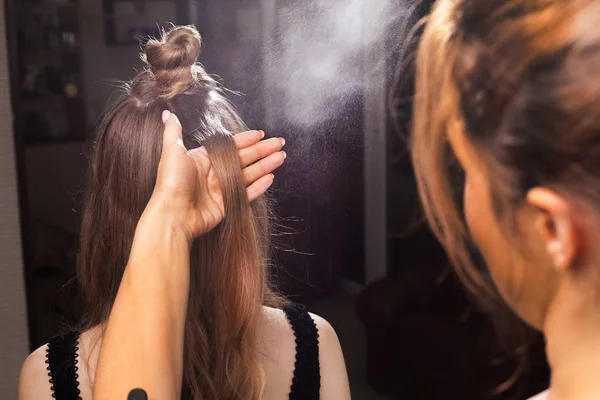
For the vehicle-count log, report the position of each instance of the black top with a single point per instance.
(63, 350)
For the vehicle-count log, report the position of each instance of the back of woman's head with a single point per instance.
(520, 80)
(229, 281)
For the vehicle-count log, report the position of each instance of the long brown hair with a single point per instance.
(520, 80)
(229, 279)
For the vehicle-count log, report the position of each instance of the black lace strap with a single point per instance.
(61, 357)
(306, 384)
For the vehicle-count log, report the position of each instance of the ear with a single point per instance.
(555, 225)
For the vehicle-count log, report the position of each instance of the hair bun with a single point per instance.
(172, 58)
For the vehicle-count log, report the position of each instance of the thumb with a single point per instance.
(173, 130)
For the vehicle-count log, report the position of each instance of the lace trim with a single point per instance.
(62, 359)
(48, 369)
(75, 364)
(306, 383)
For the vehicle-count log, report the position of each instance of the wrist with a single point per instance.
(162, 220)
(159, 237)
(160, 249)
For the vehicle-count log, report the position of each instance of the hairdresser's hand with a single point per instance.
(187, 187)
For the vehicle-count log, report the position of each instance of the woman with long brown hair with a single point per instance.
(511, 89)
(242, 341)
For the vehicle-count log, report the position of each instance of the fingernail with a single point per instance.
(282, 141)
(165, 116)
(284, 154)
(272, 176)
(262, 134)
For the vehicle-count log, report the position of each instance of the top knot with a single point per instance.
(172, 58)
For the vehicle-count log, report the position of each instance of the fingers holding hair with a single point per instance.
(173, 131)
(260, 150)
(258, 188)
(258, 158)
(263, 167)
(248, 138)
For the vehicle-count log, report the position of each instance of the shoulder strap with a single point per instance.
(306, 384)
(61, 357)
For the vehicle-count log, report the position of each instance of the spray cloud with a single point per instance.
(318, 60)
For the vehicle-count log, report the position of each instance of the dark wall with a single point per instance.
(322, 185)
(411, 242)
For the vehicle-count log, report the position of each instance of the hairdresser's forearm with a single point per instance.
(146, 349)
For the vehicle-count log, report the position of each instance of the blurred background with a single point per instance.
(332, 77)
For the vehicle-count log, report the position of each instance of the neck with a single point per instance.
(572, 330)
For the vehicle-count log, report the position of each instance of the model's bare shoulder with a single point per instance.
(280, 350)
(34, 381)
(334, 377)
